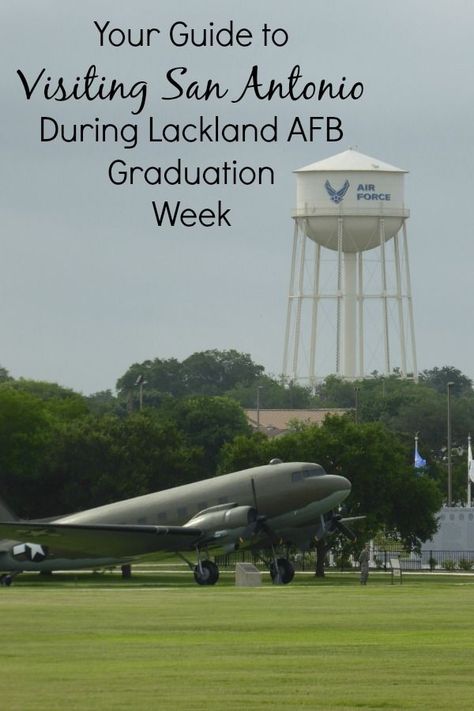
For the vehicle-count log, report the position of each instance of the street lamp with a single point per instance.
(140, 382)
(450, 468)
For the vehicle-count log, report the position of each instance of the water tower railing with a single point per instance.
(379, 211)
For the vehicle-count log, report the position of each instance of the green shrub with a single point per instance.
(465, 564)
(449, 564)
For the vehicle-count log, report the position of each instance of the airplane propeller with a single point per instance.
(259, 525)
(335, 522)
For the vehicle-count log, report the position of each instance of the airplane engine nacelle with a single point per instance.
(240, 516)
(237, 517)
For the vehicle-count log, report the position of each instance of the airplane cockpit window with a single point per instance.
(307, 473)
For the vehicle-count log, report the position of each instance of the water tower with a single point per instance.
(350, 309)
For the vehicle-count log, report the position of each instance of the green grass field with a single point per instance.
(83, 642)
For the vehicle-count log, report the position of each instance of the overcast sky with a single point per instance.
(89, 284)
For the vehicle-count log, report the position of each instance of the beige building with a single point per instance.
(277, 422)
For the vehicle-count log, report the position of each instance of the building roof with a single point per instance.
(277, 422)
(350, 160)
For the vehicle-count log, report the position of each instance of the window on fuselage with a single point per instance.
(307, 473)
(182, 511)
(161, 516)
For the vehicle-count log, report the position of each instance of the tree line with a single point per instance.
(61, 451)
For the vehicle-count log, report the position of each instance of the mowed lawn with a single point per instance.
(331, 645)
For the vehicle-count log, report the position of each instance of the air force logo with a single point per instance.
(336, 196)
(30, 551)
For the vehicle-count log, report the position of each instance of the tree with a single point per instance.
(336, 392)
(209, 423)
(216, 372)
(95, 461)
(105, 403)
(62, 402)
(245, 451)
(207, 373)
(273, 394)
(376, 461)
(26, 433)
(164, 378)
(4, 375)
(438, 379)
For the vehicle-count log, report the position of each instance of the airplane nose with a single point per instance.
(332, 484)
(340, 487)
(335, 483)
(345, 484)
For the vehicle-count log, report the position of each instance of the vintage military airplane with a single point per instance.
(259, 509)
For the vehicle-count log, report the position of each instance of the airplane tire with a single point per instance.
(209, 574)
(285, 571)
(6, 580)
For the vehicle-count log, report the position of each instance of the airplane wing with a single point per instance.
(101, 540)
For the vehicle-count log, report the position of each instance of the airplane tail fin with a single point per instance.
(6, 514)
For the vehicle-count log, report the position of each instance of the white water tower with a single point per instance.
(350, 309)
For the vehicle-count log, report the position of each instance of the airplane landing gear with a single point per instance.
(7, 579)
(206, 573)
(281, 571)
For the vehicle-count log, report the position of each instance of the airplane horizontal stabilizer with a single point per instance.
(6, 514)
(101, 540)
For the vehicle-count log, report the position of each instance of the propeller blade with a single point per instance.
(345, 530)
(254, 492)
(260, 524)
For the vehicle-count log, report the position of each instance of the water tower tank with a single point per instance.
(347, 205)
(358, 187)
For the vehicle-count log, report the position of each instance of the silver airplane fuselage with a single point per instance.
(290, 497)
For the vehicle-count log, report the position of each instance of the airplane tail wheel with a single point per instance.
(208, 574)
(283, 573)
(6, 580)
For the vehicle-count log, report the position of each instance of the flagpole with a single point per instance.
(418, 461)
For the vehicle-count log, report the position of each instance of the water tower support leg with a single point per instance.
(314, 318)
(410, 303)
(350, 314)
(401, 319)
(361, 313)
(291, 292)
(384, 296)
(339, 294)
(299, 307)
